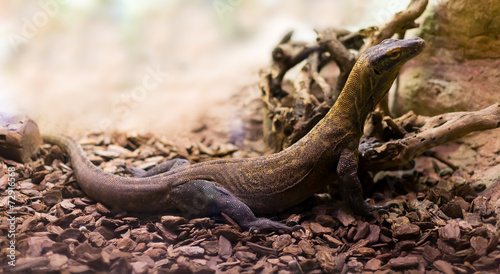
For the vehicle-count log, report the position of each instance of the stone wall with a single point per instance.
(460, 69)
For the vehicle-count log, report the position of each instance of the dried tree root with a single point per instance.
(286, 55)
(307, 110)
(282, 125)
(339, 53)
(325, 87)
(425, 133)
(19, 137)
(302, 104)
(401, 22)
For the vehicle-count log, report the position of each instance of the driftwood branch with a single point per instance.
(307, 110)
(339, 54)
(285, 56)
(302, 104)
(318, 79)
(291, 111)
(401, 22)
(425, 133)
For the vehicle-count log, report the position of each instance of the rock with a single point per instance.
(459, 57)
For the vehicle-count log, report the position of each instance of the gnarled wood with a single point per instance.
(426, 133)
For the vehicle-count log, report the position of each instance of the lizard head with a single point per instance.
(383, 62)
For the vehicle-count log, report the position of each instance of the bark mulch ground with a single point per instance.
(441, 225)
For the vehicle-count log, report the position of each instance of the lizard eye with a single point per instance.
(394, 53)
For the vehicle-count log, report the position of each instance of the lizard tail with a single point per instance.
(132, 194)
(70, 147)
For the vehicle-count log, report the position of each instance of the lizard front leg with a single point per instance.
(205, 198)
(350, 186)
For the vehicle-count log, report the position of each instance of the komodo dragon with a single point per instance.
(267, 184)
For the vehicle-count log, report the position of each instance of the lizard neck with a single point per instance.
(347, 116)
(361, 93)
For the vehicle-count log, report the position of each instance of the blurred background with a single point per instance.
(166, 67)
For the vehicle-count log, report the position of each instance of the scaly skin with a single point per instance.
(268, 184)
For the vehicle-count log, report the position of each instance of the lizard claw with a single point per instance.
(366, 209)
(263, 224)
(380, 208)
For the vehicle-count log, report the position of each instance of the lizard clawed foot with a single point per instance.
(384, 207)
(136, 172)
(263, 224)
(381, 208)
(366, 209)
